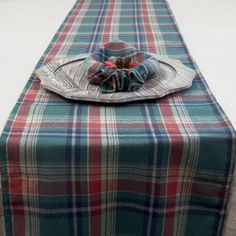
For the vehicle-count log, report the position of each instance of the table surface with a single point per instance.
(210, 38)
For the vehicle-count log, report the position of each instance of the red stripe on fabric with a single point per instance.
(150, 37)
(57, 45)
(95, 184)
(13, 149)
(176, 150)
(59, 124)
(107, 26)
(60, 188)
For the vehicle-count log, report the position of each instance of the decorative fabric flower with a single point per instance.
(118, 66)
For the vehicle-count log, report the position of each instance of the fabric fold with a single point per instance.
(119, 67)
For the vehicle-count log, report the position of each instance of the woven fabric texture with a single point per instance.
(160, 167)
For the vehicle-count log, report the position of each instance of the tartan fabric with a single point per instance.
(102, 69)
(160, 167)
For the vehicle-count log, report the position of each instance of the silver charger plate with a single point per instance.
(70, 81)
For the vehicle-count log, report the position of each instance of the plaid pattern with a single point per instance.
(160, 167)
(113, 79)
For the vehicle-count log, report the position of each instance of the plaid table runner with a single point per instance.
(159, 167)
